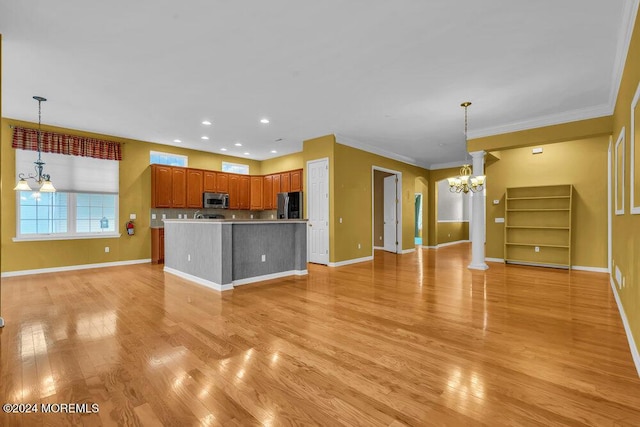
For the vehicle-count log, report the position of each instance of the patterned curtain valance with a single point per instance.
(27, 139)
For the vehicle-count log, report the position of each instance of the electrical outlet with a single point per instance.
(233, 217)
(264, 257)
(153, 216)
(132, 216)
(381, 238)
(164, 216)
(496, 201)
(537, 249)
(106, 249)
(271, 216)
(340, 220)
(359, 246)
(189, 257)
(251, 216)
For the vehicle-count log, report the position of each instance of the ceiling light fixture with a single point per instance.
(264, 121)
(246, 154)
(177, 140)
(223, 149)
(273, 151)
(204, 137)
(206, 122)
(237, 144)
(466, 182)
(43, 179)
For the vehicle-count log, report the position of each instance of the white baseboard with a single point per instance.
(269, 277)
(73, 267)
(494, 260)
(429, 247)
(457, 242)
(408, 251)
(593, 269)
(198, 280)
(379, 247)
(635, 353)
(350, 261)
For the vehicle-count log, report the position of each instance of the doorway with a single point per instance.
(386, 209)
(417, 232)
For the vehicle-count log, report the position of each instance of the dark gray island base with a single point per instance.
(221, 254)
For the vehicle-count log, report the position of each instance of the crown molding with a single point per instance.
(448, 165)
(629, 13)
(354, 143)
(550, 120)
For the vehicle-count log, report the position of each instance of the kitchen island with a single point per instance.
(221, 254)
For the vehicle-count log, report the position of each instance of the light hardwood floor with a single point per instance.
(416, 339)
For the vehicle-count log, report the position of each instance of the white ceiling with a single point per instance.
(389, 75)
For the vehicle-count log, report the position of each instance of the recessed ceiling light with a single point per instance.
(204, 137)
(223, 149)
(246, 154)
(237, 144)
(206, 122)
(274, 151)
(177, 140)
(265, 121)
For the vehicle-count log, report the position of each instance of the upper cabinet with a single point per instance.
(209, 182)
(296, 180)
(178, 187)
(256, 193)
(194, 188)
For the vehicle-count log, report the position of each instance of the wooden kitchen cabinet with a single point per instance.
(296, 180)
(157, 245)
(178, 187)
(161, 186)
(244, 189)
(234, 195)
(222, 183)
(267, 192)
(209, 182)
(285, 182)
(194, 188)
(276, 189)
(256, 193)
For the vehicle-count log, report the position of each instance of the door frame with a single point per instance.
(307, 211)
(610, 207)
(398, 175)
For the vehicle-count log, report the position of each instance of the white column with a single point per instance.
(477, 209)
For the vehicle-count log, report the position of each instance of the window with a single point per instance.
(235, 168)
(65, 215)
(85, 204)
(160, 158)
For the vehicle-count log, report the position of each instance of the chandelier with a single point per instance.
(43, 179)
(466, 182)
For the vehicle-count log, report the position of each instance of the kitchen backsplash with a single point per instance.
(189, 213)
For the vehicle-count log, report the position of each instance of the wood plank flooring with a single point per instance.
(415, 339)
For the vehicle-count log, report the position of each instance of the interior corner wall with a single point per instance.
(581, 163)
(353, 201)
(430, 222)
(626, 227)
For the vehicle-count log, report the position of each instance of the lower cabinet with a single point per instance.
(157, 245)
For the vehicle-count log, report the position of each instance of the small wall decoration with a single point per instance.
(634, 176)
(619, 173)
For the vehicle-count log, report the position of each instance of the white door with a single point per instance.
(390, 214)
(318, 208)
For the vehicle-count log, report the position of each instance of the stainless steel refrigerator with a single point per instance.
(290, 205)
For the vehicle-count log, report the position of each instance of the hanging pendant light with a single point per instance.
(43, 179)
(466, 182)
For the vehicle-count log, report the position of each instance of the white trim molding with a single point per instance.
(200, 281)
(269, 277)
(591, 269)
(350, 261)
(457, 242)
(429, 247)
(354, 143)
(407, 251)
(635, 209)
(73, 267)
(617, 164)
(500, 260)
(635, 353)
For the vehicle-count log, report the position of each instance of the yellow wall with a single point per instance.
(282, 163)
(353, 201)
(378, 207)
(582, 163)
(626, 228)
(135, 197)
(430, 222)
(452, 232)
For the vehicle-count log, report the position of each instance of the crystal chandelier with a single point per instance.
(466, 182)
(43, 179)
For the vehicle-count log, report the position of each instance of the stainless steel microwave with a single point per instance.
(215, 200)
